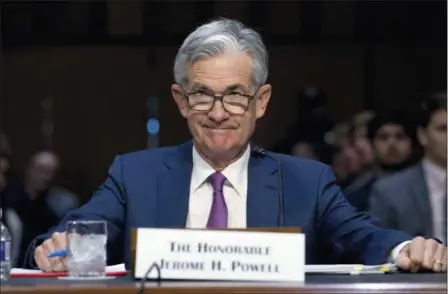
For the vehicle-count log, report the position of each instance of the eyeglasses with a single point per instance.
(232, 102)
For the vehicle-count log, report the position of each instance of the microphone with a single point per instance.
(153, 266)
(261, 152)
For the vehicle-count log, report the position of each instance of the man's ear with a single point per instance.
(263, 100)
(179, 98)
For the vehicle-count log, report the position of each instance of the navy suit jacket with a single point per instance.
(151, 188)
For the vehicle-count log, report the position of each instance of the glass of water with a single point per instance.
(87, 249)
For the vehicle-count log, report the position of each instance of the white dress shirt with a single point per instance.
(435, 177)
(235, 191)
(235, 194)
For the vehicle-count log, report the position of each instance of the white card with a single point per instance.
(220, 255)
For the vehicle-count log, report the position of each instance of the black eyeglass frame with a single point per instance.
(220, 97)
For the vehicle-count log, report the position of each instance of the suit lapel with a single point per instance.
(173, 188)
(262, 195)
(421, 199)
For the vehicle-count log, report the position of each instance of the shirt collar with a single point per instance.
(434, 173)
(235, 173)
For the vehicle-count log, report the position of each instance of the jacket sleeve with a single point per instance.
(108, 203)
(353, 235)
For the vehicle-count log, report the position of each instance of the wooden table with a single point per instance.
(384, 284)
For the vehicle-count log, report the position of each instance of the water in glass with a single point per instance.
(87, 251)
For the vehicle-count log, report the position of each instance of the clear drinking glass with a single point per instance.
(87, 249)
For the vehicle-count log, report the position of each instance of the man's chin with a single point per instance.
(219, 149)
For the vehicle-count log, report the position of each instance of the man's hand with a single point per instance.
(55, 264)
(423, 253)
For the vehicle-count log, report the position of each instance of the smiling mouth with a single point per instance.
(219, 130)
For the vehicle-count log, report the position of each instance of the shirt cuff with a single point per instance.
(396, 251)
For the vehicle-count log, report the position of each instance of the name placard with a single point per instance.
(184, 254)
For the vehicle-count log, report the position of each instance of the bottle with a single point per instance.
(5, 251)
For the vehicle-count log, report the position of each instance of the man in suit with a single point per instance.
(414, 200)
(391, 136)
(217, 180)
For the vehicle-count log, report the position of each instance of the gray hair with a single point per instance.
(220, 37)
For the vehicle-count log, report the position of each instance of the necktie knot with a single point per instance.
(217, 181)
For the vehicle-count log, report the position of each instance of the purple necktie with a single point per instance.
(218, 212)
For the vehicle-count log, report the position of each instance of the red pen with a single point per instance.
(59, 274)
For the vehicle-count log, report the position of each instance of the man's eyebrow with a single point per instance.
(199, 86)
(233, 87)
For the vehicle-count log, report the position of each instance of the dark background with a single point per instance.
(98, 62)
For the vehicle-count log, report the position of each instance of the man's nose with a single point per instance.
(392, 139)
(218, 112)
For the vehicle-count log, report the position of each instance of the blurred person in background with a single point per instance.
(360, 138)
(340, 135)
(414, 200)
(392, 138)
(301, 140)
(9, 216)
(354, 154)
(5, 169)
(297, 145)
(36, 204)
(305, 149)
(392, 135)
(5, 161)
(345, 159)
